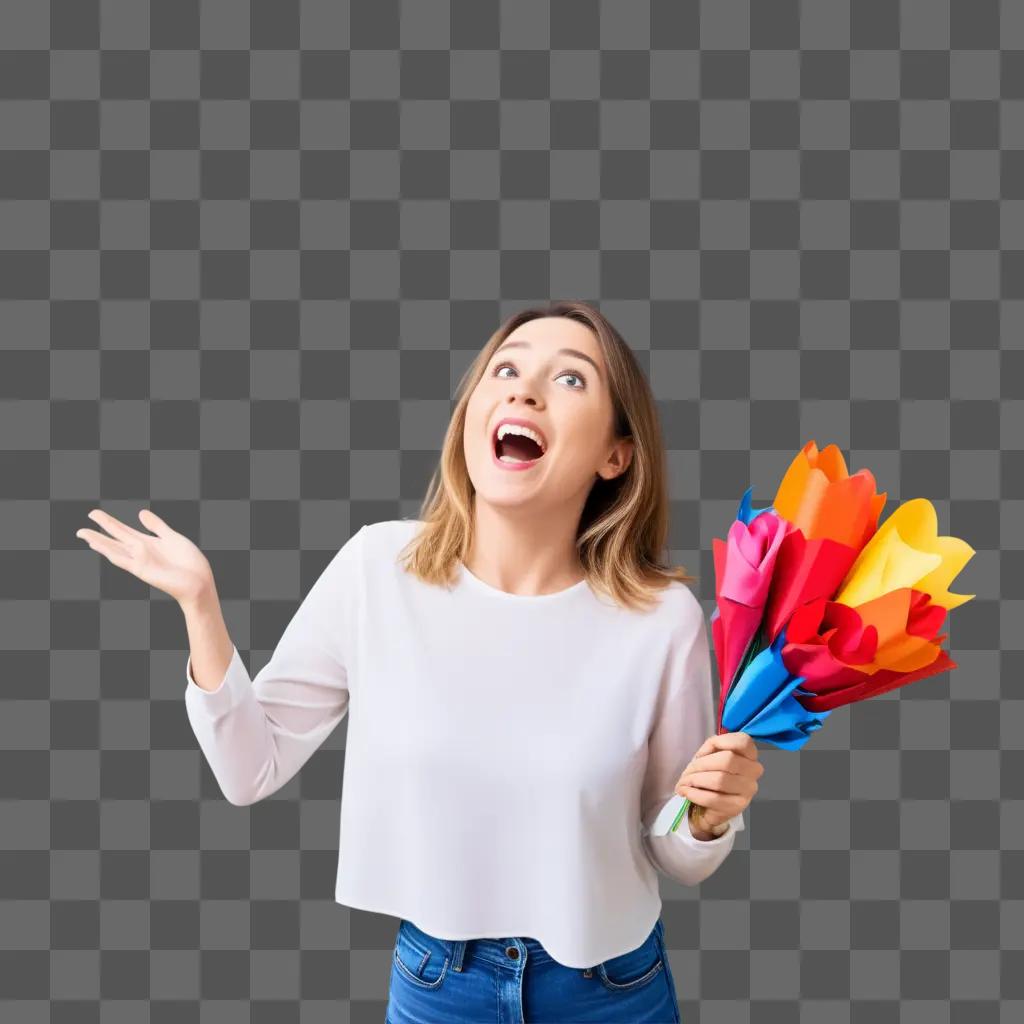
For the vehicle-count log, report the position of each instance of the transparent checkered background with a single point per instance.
(246, 252)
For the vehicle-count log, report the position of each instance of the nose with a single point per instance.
(525, 398)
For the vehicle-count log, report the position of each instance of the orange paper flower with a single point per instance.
(820, 497)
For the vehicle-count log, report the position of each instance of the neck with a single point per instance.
(524, 555)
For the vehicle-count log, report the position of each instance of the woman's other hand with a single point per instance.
(722, 776)
(164, 559)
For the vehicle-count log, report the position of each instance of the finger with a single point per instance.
(113, 526)
(728, 805)
(747, 747)
(707, 747)
(725, 761)
(719, 782)
(153, 522)
(94, 538)
(738, 742)
(106, 546)
(733, 763)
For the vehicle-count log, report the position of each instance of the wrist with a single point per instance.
(202, 603)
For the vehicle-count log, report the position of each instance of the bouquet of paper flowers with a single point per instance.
(819, 606)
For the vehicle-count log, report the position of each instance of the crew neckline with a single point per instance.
(479, 584)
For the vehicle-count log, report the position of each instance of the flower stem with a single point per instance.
(682, 814)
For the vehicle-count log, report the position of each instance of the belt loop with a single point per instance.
(458, 951)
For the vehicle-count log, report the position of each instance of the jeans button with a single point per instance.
(512, 952)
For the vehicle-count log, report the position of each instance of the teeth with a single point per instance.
(514, 428)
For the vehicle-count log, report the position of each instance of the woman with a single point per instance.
(525, 680)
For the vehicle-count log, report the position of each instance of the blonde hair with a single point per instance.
(623, 528)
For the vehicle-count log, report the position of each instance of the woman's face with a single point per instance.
(564, 397)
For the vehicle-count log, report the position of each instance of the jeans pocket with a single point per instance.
(418, 964)
(635, 969)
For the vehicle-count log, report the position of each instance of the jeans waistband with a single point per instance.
(494, 951)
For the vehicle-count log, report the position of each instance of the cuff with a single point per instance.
(229, 693)
(684, 834)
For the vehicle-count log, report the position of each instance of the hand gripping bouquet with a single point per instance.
(818, 606)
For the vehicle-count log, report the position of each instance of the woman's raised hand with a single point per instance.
(168, 561)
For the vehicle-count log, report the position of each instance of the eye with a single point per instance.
(565, 373)
(578, 376)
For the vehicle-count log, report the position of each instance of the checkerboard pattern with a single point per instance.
(246, 252)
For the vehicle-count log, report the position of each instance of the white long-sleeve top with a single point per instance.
(506, 754)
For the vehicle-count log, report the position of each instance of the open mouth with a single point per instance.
(517, 448)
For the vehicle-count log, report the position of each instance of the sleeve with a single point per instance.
(256, 734)
(686, 717)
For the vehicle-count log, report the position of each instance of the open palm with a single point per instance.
(164, 559)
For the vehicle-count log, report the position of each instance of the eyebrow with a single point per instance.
(561, 351)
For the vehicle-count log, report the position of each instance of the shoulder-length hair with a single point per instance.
(623, 528)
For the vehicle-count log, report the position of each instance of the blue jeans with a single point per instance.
(515, 981)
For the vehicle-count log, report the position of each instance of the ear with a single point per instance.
(619, 459)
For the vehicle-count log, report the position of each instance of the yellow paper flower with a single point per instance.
(906, 551)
